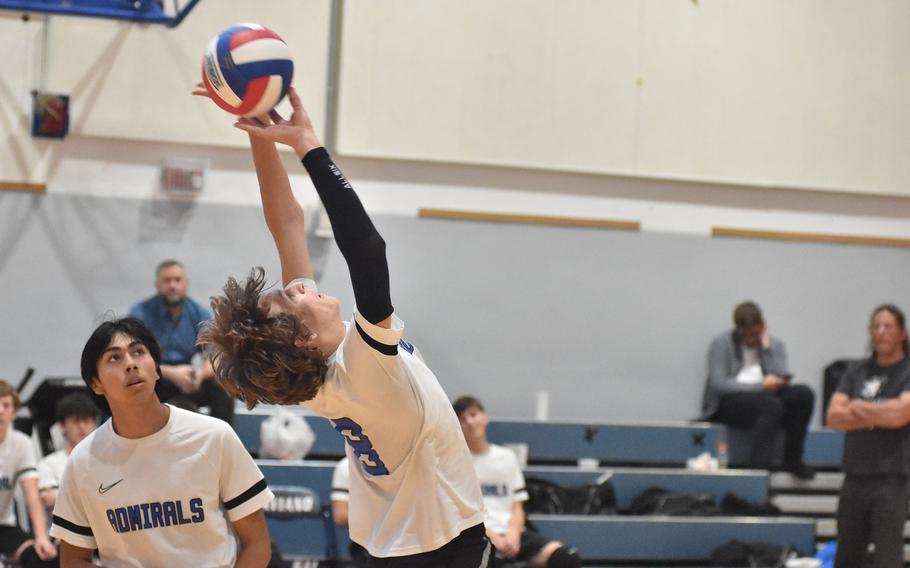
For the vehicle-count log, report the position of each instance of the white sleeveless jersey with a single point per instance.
(412, 482)
(162, 500)
(17, 462)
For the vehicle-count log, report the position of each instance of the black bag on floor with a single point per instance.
(549, 498)
(752, 554)
(735, 505)
(659, 501)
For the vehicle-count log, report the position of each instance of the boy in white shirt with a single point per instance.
(76, 415)
(155, 485)
(17, 464)
(504, 494)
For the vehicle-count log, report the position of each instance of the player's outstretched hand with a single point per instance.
(296, 132)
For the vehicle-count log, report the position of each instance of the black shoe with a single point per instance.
(801, 471)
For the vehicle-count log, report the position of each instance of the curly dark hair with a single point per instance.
(254, 354)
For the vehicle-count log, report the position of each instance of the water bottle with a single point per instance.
(722, 457)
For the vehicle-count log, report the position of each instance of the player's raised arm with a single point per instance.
(359, 241)
(283, 214)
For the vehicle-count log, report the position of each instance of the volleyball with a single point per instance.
(247, 69)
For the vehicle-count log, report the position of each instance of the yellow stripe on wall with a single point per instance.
(23, 186)
(810, 237)
(430, 213)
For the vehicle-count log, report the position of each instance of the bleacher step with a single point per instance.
(806, 504)
(827, 529)
(824, 481)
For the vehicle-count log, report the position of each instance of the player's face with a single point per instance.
(7, 410)
(887, 335)
(126, 372)
(317, 311)
(172, 283)
(751, 335)
(474, 423)
(76, 428)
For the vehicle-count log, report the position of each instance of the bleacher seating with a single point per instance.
(606, 538)
(823, 447)
(631, 482)
(302, 537)
(648, 456)
(636, 539)
(562, 442)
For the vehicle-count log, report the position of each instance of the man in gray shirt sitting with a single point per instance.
(749, 387)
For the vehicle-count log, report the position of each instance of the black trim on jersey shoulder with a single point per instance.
(73, 527)
(25, 470)
(339, 490)
(377, 345)
(256, 489)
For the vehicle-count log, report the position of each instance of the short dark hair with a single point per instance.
(747, 314)
(898, 315)
(465, 403)
(101, 340)
(167, 263)
(7, 389)
(254, 354)
(75, 405)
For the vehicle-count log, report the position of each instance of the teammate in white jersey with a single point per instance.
(414, 497)
(76, 416)
(17, 464)
(504, 493)
(155, 485)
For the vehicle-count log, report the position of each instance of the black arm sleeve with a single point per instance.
(359, 241)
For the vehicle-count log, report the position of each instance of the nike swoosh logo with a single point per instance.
(102, 489)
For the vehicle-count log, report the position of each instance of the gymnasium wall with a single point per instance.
(681, 115)
(772, 93)
(614, 325)
(808, 94)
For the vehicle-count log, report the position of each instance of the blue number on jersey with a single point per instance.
(361, 445)
(406, 346)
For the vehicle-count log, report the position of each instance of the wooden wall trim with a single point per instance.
(810, 237)
(588, 223)
(23, 186)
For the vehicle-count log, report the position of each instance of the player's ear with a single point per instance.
(304, 343)
(96, 386)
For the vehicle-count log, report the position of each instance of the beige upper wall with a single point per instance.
(811, 94)
(19, 70)
(132, 81)
(800, 94)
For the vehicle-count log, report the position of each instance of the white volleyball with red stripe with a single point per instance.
(247, 69)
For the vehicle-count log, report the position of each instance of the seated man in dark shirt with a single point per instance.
(186, 375)
(749, 387)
